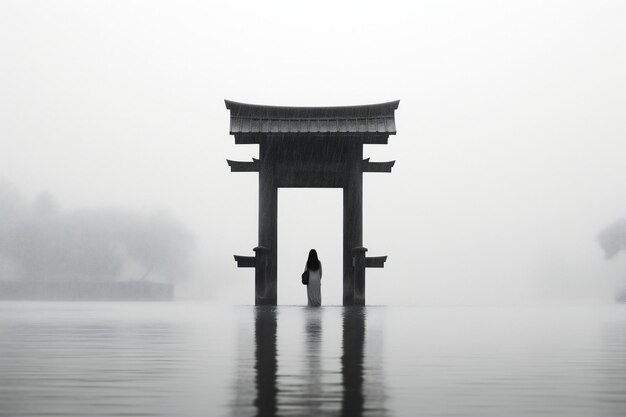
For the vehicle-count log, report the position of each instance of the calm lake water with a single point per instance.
(203, 359)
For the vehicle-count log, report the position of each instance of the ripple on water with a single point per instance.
(192, 359)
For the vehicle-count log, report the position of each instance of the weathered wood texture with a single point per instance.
(369, 118)
(352, 222)
(266, 287)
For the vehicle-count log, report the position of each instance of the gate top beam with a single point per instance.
(251, 122)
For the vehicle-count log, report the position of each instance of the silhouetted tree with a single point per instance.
(613, 238)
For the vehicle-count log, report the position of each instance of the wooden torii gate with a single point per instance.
(311, 147)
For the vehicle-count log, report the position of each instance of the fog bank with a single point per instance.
(41, 241)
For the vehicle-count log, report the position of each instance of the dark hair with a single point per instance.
(313, 263)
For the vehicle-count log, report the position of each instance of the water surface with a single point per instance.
(205, 359)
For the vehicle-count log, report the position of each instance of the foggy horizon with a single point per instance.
(509, 152)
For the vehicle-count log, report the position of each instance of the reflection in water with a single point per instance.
(613, 367)
(313, 358)
(352, 361)
(318, 378)
(265, 360)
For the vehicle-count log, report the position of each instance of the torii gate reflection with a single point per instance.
(311, 147)
(312, 397)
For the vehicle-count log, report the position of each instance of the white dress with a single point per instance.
(314, 287)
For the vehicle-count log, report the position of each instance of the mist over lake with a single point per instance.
(478, 146)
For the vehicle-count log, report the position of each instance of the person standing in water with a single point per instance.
(314, 287)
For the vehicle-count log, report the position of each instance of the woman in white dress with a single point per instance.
(314, 287)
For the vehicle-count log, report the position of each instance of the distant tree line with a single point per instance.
(39, 241)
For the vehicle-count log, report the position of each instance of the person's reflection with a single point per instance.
(352, 361)
(265, 361)
(313, 345)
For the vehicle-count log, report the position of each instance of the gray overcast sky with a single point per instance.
(511, 145)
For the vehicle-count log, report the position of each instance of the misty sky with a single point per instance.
(511, 144)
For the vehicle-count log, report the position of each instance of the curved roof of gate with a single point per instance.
(369, 118)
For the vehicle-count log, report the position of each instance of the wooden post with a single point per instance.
(266, 289)
(352, 219)
(260, 271)
(358, 261)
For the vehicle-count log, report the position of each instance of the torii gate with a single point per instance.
(311, 147)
